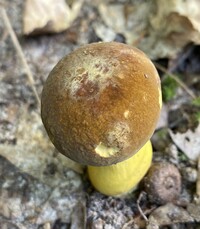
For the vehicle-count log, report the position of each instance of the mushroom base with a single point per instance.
(123, 177)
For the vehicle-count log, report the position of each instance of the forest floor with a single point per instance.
(41, 189)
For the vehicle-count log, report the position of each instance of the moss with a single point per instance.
(182, 157)
(169, 86)
(197, 116)
(196, 102)
(162, 133)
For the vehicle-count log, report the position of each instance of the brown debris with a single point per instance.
(167, 215)
(163, 183)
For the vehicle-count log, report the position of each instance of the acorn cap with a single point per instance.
(163, 183)
(101, 103)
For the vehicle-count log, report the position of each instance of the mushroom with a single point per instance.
(100, 106)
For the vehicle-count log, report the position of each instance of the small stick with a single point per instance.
(20, 53)
(132, 221)
(184, 86)
(139, 208)
(198, 178)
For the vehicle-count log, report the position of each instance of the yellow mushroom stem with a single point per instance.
(123, 177)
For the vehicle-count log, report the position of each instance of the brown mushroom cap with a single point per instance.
(100, 103)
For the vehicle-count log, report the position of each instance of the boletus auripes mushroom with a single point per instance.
(100, 106)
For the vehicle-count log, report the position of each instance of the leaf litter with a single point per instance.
(42, 189)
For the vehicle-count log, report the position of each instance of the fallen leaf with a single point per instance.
(42, 16)
(167, 215)
(194, 211)
(188, 142)
(159, 28)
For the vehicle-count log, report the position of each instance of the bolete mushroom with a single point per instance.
(100, 106)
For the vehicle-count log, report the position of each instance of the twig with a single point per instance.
(132, 221)
(20, 52)
(198, 178)
(197, 195)
(184, 86)
(139, 208)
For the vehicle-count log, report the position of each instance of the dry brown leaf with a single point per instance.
(168, 215)
(42, 16)
(160, 28)
(173, 24)
(129, 20)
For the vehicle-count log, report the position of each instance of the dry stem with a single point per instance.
(20, 53)
(139, 208)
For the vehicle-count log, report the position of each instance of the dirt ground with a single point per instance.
(41, 189)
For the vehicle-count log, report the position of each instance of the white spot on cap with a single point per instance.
(126, 114)
(104, 151)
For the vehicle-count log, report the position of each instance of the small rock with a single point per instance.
(189, 174)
